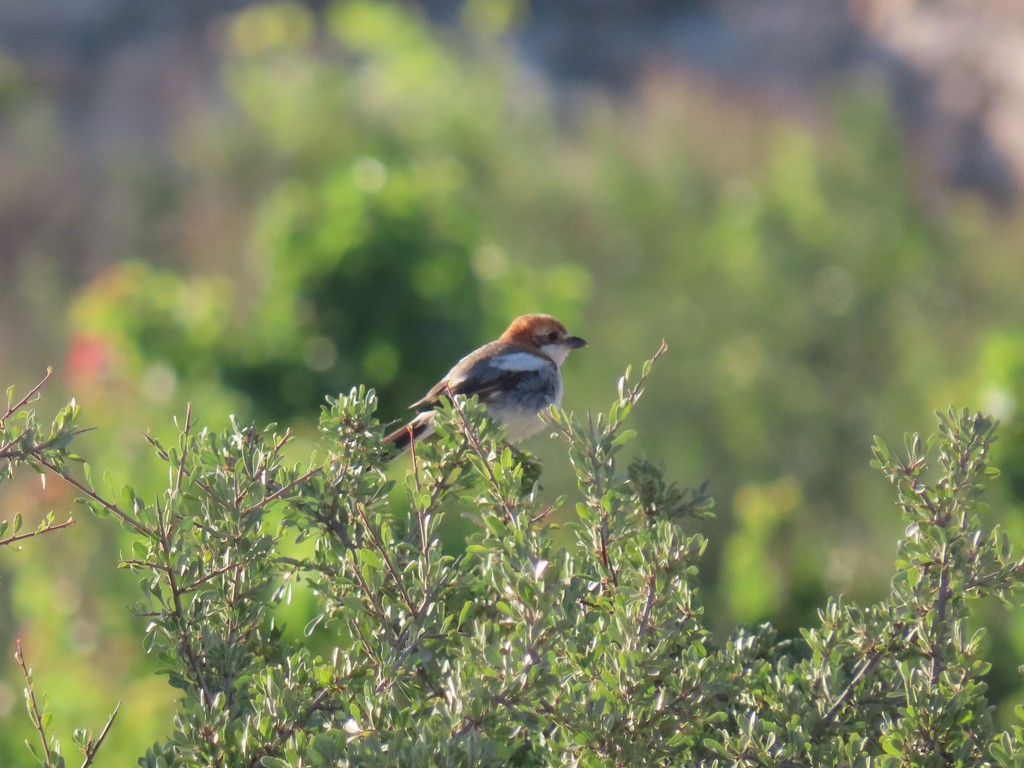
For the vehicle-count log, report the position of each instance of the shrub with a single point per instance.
(520, 651)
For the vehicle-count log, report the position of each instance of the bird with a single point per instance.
(516, 377)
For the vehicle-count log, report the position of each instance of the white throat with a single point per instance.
(555, 352)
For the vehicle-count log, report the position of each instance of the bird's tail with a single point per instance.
(419, 427)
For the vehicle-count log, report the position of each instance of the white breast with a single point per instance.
(521, 415)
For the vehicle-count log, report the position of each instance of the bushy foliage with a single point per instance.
(521, 651)
(26, 442)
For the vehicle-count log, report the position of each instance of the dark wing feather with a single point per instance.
(477, 374)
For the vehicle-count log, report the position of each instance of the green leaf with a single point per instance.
(624, 437)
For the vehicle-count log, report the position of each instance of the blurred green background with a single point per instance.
(360, 194)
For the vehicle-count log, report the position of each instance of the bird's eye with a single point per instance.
(553, 336)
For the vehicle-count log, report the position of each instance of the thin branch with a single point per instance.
(868, 664)
(109, 506)
(10, 453)
(437, 489)
(179, 478)
(283, 734)
(211, 575)
(378, 544)
(542, 514)
(33, 706)
(652, 592)
(213, 495)
(415, 465)
(145, 564)
(376, 607)
(184, 639)
(162, 534)
(91, 748)
(941, 604)
(306, 565)
(478, 449)
(605, 560)
(595, 496)
(37, 532)
(24, 401)
(156, 446)
(282, 491)
(418, 486)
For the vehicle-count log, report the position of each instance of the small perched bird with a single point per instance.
(515, 377)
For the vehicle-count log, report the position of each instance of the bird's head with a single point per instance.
(545, 334)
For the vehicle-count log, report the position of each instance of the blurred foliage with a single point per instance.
(371, 254)
(383, 196)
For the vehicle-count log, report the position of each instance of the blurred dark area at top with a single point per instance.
(121, 69)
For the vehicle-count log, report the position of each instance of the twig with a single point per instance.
(417, 485)
(31, 393)
(941, 604)
(37, 532)
(651, 594)
(33, 706)
(866, 666)
(179, 478)
(109, 506)
(378, 544)
(479, 451)
(145, 564)
(211, 575)
(283, 734)
(195, 667)
(91, 748)
(542, 514)
(605, 560)
(282, 491)
(163, 534)
(376, 607)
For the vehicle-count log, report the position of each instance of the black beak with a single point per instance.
(576, 342)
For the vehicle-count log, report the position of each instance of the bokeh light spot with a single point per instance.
(489, 262)
(158, 383)
(369, 175)
(320, 354)
(381, 362)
